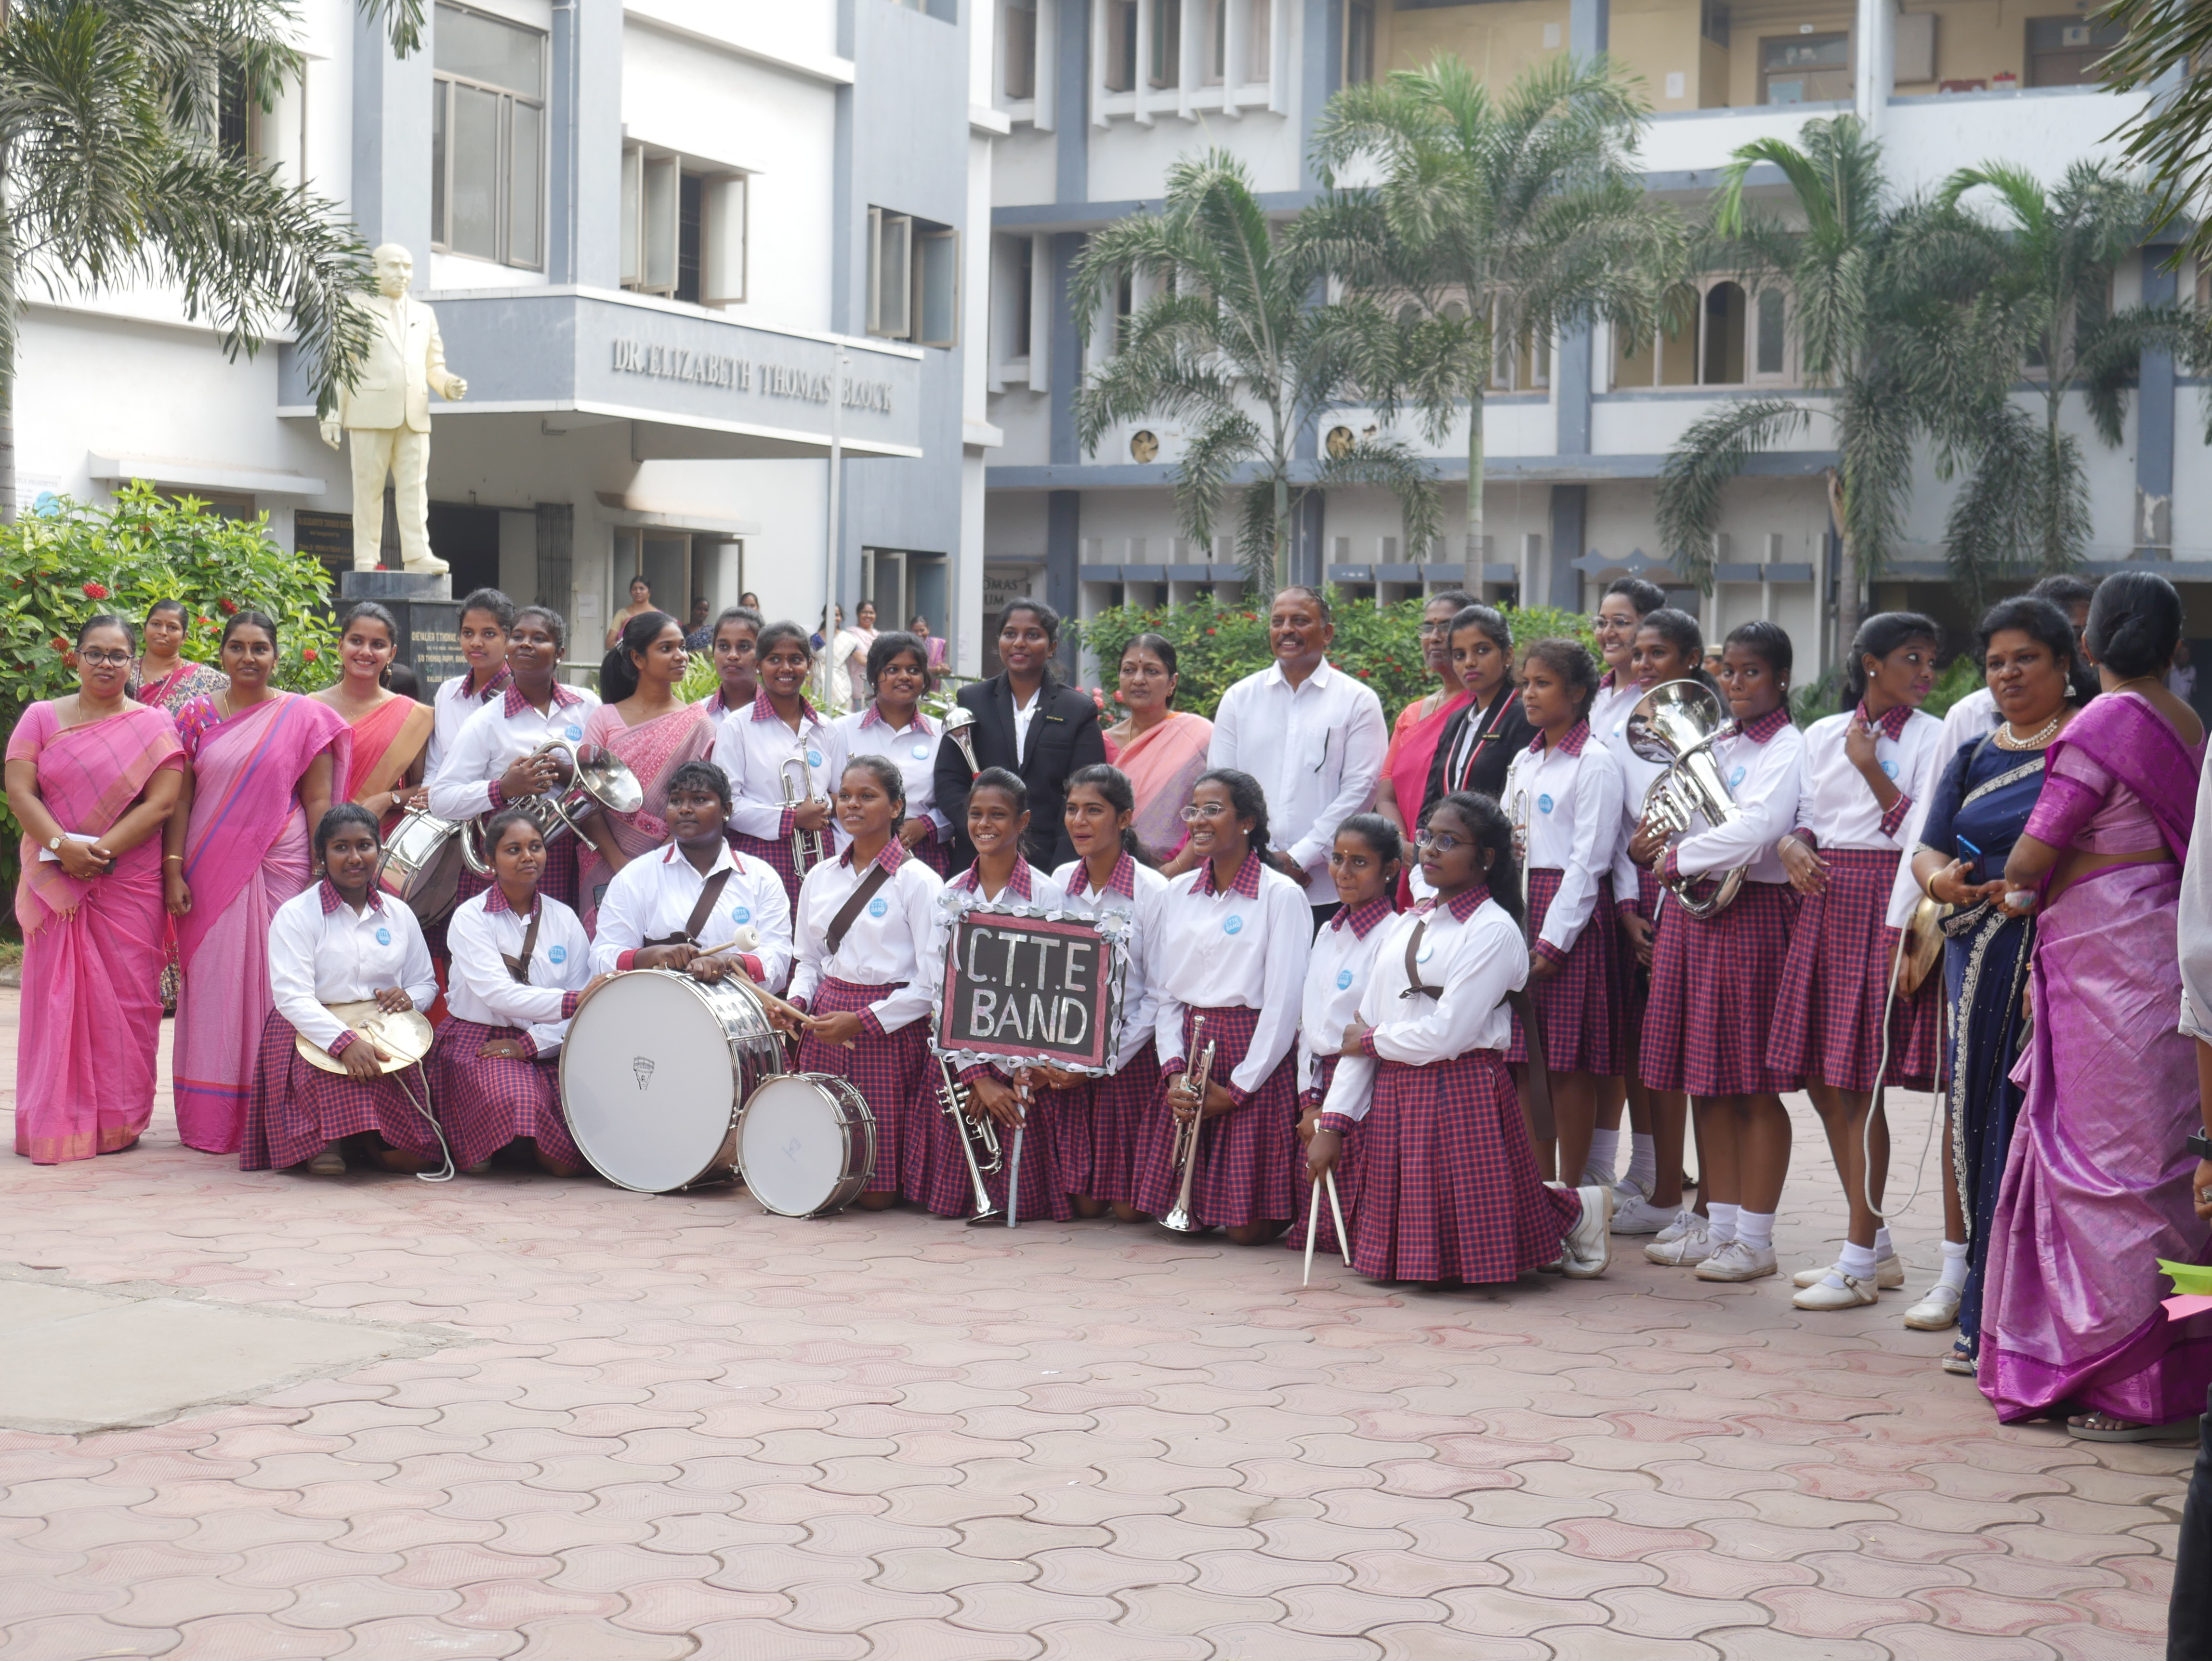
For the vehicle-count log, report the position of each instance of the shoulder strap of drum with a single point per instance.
(519, 967)
(877, 877)
(710, 891)
(1414, 964)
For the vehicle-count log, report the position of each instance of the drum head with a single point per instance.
(794, 1145)
(648, 1082)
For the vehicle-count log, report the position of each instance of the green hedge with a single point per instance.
(1216, 645)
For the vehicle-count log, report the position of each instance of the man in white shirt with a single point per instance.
(1311, 735)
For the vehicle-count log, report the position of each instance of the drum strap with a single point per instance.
(1414, 964)
(877, 877)
(519, 967)
(708, 895)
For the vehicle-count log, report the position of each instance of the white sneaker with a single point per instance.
(1935, 1310)
(1888, 1274)
(1628, 1191)
(1737, 1261)
(1637, 1215)
(1588, 1249)
(1851, 1294)
(1691, 1245)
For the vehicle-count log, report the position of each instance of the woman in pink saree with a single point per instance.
(265, 764)
(651, 732)
(1161, 751)
(2096, 1187)
(92, 778)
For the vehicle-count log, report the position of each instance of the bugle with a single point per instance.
(1185, 1142)
(808, 847)
(974, 1130)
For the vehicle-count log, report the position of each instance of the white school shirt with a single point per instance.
(911, 749)
(1973, 717)
(1615, 700)
(498, 735)
(480, 989)
(652, 898)
(321, 952)
(887, 944)
(1337, 973)
(1761, 763)
(1837, 809)
(1134, 892)
(1474, 952)
(1316, 750)
(1568, 799)
(752, 748)
(1609, 724)
(1245, 948)
(451, 708)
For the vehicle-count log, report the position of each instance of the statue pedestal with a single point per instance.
(429, 615)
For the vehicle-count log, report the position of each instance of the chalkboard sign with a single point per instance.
(1033, 986)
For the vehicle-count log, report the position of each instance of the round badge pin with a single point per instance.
(384, 937)
(878, 908)
(1427, 951)
(814, 758)
(576, 732)
(1232, 925)
(559, 954)
(921, 753)
(1889, 768)
(1543, 804)
(741, 914)
(1344, 980)
(1736, 778)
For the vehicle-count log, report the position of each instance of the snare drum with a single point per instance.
(422, 864)
(653, 1071)
(806, 1144)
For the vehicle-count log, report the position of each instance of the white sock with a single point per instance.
(1605, 1151)
(1755, 1229)
(1642, 1163)
(1882, 1247)
(1720, 1224)
(1955, 1265)
(1858, 1261)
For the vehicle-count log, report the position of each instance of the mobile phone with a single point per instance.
(1973, 856)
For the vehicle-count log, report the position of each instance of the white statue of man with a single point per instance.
(388, 413)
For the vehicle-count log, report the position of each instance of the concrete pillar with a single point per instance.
(1063, 555)
(391, 143)
(2154, 535)
(583, 173)
(1570, 522)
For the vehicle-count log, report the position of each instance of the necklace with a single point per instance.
(2007, 740)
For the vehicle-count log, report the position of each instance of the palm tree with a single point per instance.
(111, 174)
(1503, 220)
(1233, 341)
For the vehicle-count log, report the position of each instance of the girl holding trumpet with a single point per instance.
(784, 762)
(997, 823)
(866, 923)
(1233, 941)
(1448, 1186)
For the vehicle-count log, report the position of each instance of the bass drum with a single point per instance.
(806, 1144)
(651, 1074)
(422, 864)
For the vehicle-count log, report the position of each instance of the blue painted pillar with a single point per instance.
(1063, 553)
(1570, 540)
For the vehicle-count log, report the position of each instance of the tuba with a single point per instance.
(1677, 723)
(601, 781)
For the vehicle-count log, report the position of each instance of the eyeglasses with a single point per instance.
(93, 655)
(1435, 628)
(1442, 842)
(1211, 810)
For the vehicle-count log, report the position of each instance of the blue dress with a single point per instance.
(1986, 796)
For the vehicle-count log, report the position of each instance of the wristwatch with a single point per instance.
(2201, 1145)
(54, 844)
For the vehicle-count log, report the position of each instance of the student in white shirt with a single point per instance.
(756, 745)
(1233, 941)
(737, 662)
(1563, 798)
(496, 763)
(1706, 1028)
(1313, 736)
(342, 941)
(521, 964)
(1366, 864)
(865, 994)
(892, 724)
(1448, 1186)
(1000, 879)
(1865, 772)
(486, 615)
(1099, 1125)
(644, 922)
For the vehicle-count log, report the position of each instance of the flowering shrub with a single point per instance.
(1219, 644)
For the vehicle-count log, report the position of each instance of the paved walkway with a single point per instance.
(665, 1428)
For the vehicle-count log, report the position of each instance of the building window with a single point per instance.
(914, 279)
(1166, 68)
(1120, 46)
(1358, 41)
(1020, 78)
(1773, 344)
(1804, 69)
(2069, 52)
(235, 116)
(683, 228)
(488, 139)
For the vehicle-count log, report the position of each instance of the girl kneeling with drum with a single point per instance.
(341, 942)
(866, 922)
(998, 820)
(521, 962)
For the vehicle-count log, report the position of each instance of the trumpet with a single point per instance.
(976, 1131)
(808, 847)
(603, 781)
(1186, 1141)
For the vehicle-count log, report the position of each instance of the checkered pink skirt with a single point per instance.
(1099, 1130)
(1708, 1027)
(1578, 1005)
(1448, 1183)
(1249, 1164)
(1635, 982)
(487, 1102)
(893, 1076)
(1347, 1174)
(1827, 1014)
(295, 1109)
(951, 1192)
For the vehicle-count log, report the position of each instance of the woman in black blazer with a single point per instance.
(1063, 735)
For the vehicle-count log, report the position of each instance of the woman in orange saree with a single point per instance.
(1159, 749)
(390, 732)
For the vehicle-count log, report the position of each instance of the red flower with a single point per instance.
(1209, 631)
(207, 623)
(229, 607)
(308, 653)
(60, 645)
(93, 590)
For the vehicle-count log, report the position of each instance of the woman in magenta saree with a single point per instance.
(97, 765)
(266, 765)
(2096, 1187)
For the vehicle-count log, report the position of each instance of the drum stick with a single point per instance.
(1336, 1210)
(1313, 1227)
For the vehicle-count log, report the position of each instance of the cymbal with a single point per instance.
(405, 1037)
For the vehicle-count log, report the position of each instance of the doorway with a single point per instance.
(682, 568)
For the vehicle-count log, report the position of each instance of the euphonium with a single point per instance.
(808, 847)
(1186, 1141)
(600, 781)
(1677, 723)
(976, 1130)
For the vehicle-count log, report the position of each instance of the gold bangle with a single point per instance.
(165, 858)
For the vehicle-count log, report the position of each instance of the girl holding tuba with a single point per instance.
(783, 761)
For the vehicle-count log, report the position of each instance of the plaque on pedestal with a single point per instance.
(429, 615)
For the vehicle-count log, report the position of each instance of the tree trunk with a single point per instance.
(1473, 574)
(7, 444)
(1847, 567)
(1282, 529)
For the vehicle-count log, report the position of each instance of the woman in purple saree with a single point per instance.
(264, 764)
(2096, 1187)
